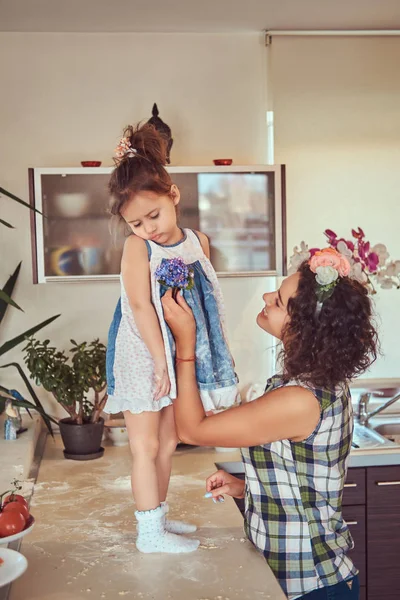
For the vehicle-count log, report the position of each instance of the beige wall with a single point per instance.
(337, 126)
(66, 97)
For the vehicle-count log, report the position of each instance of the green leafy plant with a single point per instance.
(70, 378)
(16, 199)
(5, 301)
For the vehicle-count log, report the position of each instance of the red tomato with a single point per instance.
(17, 507)
(15, 498)
(11, 522)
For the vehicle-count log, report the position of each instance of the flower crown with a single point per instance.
(124, 149)
(368, 264)
(328, 265)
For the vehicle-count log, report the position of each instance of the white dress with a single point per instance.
(130, 366)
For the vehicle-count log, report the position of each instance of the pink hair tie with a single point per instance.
(124, 149)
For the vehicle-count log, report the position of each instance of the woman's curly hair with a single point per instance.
(337, 344)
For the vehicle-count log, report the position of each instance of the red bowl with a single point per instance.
(222, 162)
(91, 163)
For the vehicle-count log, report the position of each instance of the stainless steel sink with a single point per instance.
(388, 427)
(365, 438)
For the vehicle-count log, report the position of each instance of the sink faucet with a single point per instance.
(364, 416)
(363, 408)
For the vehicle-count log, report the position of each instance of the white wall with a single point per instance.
(66, 97)
(337, 126)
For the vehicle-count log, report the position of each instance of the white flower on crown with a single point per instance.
(298, 257)
(357, 273)
(385, 276)
(381, 251)
(343, 248)
(393, 268)
(326, 275)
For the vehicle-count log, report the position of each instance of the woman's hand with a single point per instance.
(222, 482)
(162, 382)
(180, 320)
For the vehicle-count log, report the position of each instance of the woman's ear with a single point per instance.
(175, 194)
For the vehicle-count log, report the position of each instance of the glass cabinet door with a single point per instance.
(240, 209)
(73, 236)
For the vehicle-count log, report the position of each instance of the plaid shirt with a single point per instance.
(294, 499)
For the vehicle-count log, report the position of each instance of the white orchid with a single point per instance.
(343, 248)
(357, 273)
(391, 269)
(381, 251)
(298, 257)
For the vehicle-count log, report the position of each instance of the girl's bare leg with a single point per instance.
(153, 536)
(143, 432)
(168, 441)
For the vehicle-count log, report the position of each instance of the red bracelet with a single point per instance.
(191, 359)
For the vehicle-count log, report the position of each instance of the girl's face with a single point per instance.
(153, 217)
(274, 316)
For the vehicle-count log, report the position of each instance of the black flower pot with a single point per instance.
(82, 442)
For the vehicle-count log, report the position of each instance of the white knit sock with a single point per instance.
(176, 526)
(152, 536)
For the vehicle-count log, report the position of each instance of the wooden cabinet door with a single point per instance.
(354, 487)
(355, 519)
(383, 541)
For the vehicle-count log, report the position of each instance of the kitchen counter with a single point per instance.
(82, 545)
(378, 457)
(16, 456)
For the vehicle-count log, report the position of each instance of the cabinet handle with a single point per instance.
(351, 522)
(387, 482)
(351, 485)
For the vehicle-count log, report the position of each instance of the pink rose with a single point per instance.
(345, 267)
(329, 257)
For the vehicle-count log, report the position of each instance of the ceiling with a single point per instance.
(195, 15)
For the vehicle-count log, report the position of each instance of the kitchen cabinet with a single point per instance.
(241, 210)
(383, 532)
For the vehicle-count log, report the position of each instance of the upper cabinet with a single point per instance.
(240, 209)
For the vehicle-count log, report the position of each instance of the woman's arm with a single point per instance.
(287, 413)
(136, 277)
(290, 412)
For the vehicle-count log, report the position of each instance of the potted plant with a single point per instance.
(71, 378)
(10, 399)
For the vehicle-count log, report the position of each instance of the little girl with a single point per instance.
(295, 438)
(141, 351)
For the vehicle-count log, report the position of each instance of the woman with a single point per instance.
(296, 438)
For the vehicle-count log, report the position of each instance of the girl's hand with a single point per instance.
(222, 482)
(162, 381)
(180, 319)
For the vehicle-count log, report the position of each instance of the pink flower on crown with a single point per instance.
(329, 257)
